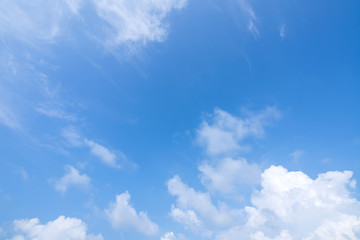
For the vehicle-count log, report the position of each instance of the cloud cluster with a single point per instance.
(196, 210)
(284, 205)
(289, 205)
(60, 229)
(123, 216)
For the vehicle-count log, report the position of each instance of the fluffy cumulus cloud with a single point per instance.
(192, 205)
(287, 206)
(283, 205)
(223, 133)
(123, 216)
(60, 229)
(291, 205)
(227, 175)
(72, 177)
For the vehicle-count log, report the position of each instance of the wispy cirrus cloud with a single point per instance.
(136, 21)
(56, 113)
(105, 155)
(250, 16)
(108, 157)
(43, 22)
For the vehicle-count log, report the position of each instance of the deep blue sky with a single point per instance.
(127, 107)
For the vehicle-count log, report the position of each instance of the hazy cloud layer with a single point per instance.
(223, 133)
(228, 174)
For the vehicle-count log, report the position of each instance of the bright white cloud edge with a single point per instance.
(288, 206)
(123, 216)
(61, 228)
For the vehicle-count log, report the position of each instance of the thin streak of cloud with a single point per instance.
(251, 17)
(282, 32)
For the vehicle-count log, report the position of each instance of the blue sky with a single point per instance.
(179, 120)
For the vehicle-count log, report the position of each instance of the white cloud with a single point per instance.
(228, 175)
(224, 133)
(60, 229)
(284, 235)
(72, 177)
(105, 155)
(199, 203)
(347, 227)
(172, 236)
(291, 205)
(123, 216)
(188, 218)
(168, 236)
(136, 21)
